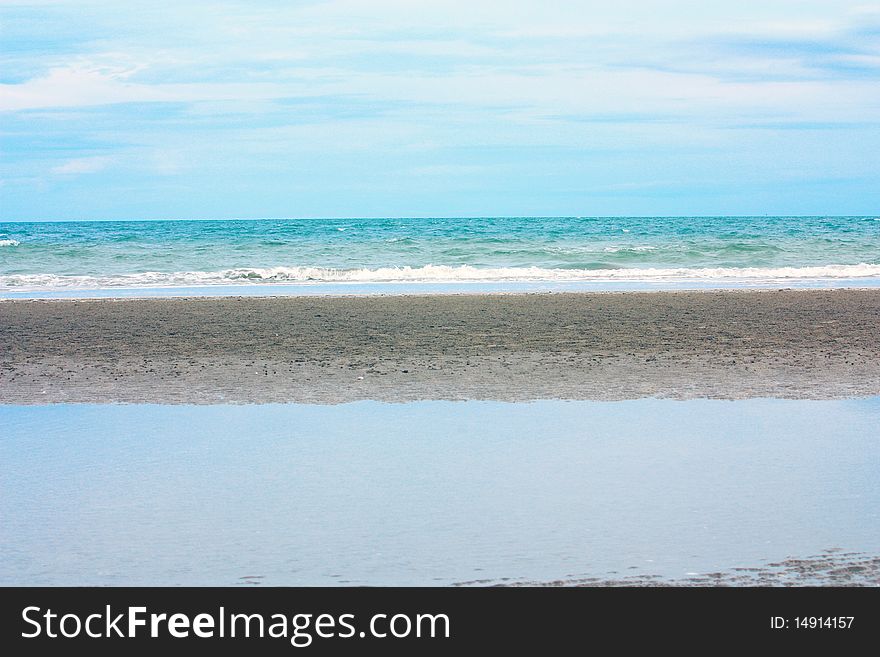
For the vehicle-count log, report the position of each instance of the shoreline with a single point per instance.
(515, 346)
(833, 567)
(429, 288)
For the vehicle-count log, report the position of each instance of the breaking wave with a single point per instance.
(430, 274)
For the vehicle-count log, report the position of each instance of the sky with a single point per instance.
(392, 108)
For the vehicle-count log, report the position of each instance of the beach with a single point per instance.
(731, 344)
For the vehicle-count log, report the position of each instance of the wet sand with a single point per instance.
(808, 344)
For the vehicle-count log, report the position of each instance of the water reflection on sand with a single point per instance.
(432, 492)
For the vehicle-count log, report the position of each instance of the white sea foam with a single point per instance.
(9, 242)
(432, 273)
(633, 249)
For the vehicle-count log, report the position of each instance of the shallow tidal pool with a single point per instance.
(430, 493)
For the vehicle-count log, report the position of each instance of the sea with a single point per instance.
(304, 256)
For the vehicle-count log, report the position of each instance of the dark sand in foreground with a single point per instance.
(816, 344)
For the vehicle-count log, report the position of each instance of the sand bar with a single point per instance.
(812, 344)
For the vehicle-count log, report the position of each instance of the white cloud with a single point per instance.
(75, 86)
(83, 85)
(82, 165)
(478, 57)
(167, 162)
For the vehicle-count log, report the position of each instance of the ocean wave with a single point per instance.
(431, 274)
(628, 249)
(9, 242)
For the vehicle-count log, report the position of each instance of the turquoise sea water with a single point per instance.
(185, 254)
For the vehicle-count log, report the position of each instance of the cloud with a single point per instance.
(82, 165)
(75, 86)
(167, 162)
(571, 59)
(89, 85)
(320, 95)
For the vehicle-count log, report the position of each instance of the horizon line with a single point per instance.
(458, 217)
